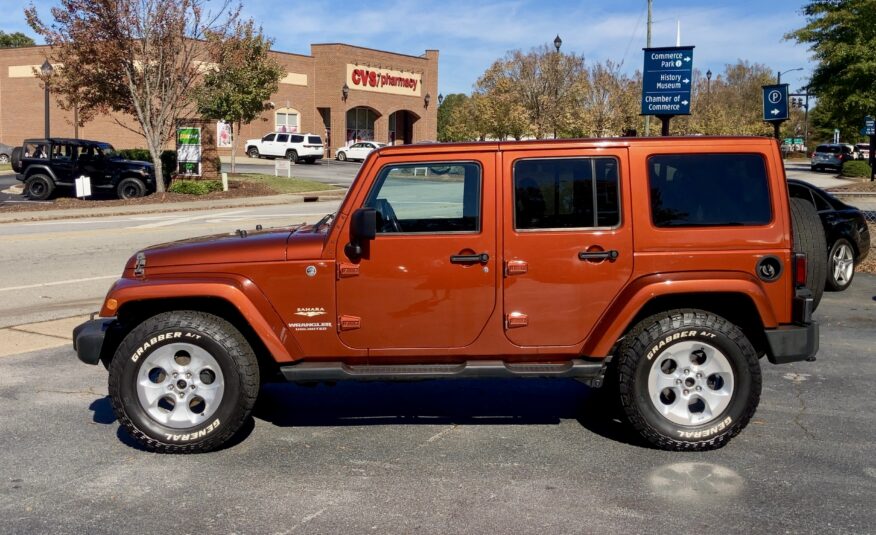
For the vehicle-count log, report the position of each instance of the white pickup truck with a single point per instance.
(295, 147)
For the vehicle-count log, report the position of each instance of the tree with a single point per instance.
(238, 87)
(842, 36)
(14, 40)
(445, 113)
(136, 57)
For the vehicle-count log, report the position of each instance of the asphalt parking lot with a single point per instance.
(487, 456)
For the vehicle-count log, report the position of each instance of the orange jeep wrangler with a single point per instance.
(663, 267)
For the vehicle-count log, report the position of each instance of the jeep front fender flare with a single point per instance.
(619, 315)
(240, 292)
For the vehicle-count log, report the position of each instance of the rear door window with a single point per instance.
(708, 190)
(282, 138)
(566, 193)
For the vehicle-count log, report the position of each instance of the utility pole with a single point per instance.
(648, 45)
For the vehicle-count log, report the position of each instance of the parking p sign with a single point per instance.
(775, 102)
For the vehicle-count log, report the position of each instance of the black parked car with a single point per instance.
(47, 165)
(845, 227)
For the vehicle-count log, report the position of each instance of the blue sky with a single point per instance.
(470, 35)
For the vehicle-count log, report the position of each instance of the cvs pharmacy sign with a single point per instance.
(383, 80)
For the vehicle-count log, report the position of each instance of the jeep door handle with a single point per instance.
(611, 255)
(482, 258)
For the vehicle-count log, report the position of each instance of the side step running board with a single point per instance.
(591, 372)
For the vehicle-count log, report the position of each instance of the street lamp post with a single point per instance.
(46, 69)
(709, 82)
(779, 76)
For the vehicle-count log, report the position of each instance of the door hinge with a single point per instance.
(515, 320)
(347, 270)
(349, 323)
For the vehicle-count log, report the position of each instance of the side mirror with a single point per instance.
(363, 229)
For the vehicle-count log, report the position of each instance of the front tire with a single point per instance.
(840, 265)
(342, 156)
(39, 187)
(689, 380)
(253, 152)
(183, 382)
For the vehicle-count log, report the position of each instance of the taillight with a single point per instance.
(799, 269)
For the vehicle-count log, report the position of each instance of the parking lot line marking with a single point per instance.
(57, 283)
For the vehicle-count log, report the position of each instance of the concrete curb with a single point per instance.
(212, 204)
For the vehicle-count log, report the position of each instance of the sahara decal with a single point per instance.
(310, 312)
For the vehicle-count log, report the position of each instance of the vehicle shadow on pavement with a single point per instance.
(442, 402)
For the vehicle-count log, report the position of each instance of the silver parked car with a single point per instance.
(5, 153)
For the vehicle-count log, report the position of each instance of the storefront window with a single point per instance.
(360, 125)
(286, 120)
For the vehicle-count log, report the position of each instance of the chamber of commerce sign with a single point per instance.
(366, 78)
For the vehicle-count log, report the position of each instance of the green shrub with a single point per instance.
(856, 168)
(168, 160)
(195, 187)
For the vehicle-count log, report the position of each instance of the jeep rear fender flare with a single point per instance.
(626, 306)
(40, 169)
(239, 292)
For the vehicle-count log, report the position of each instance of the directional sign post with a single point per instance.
(775, 105)
(870, 130)
(666, 83)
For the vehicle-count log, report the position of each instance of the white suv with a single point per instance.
(295, 147)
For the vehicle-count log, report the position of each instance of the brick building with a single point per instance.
(339, 91)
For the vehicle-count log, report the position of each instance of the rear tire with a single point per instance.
(292, 156)
(689, 380)
(39, 187)
(4, 158)
(809, 238)
(183, 382)
(840, 266)
(130, 188)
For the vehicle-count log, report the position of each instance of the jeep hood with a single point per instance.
(269, 245)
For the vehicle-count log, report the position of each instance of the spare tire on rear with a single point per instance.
(16, 159)
(809, 238)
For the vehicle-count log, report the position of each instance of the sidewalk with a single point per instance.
(211, 204)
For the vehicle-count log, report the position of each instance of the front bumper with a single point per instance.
(88, 339)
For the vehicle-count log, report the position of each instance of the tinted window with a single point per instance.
(831, 149)
(432, 198)
(269, 137)
(282, 138)
(694, 190)
(566, 193)
(314, 140)
(297, 139)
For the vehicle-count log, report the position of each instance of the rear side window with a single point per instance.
(566, 193)
(708, 190)
(314, 140)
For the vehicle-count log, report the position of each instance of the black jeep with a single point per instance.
(48, 165)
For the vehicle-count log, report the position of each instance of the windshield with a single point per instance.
(107, 151)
